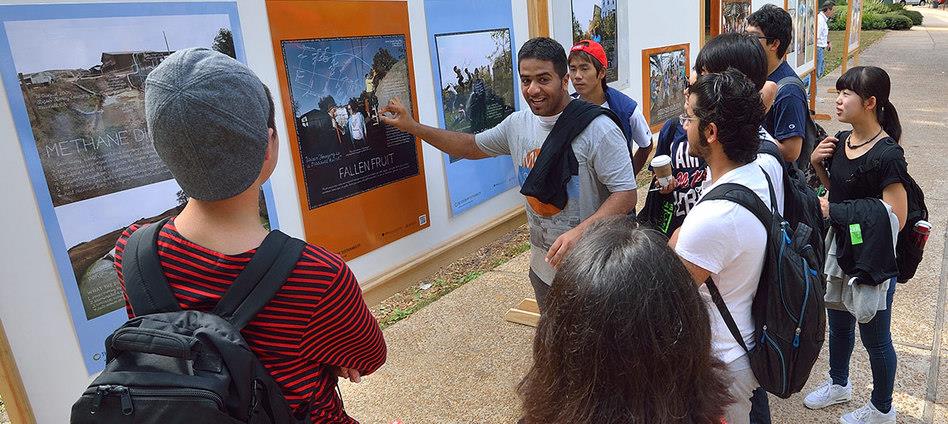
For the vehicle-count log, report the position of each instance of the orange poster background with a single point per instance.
(364, 222)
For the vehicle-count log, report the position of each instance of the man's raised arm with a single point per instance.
(451, 142)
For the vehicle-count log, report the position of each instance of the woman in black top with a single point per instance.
(866, 162)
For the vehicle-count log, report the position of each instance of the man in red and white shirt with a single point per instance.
(212, 121)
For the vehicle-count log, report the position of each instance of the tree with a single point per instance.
(224, 43)
(382, 62)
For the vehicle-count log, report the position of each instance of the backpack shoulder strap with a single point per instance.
(263, 277)
(145, 284)
(791, 80)
(725, 313)
(749, 200)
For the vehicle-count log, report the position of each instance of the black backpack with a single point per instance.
(168, 365)
(908, 255)
(801, 205)
(813, 135)
(788, 308)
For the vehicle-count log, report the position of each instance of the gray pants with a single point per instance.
(540, 290)
(742, 384)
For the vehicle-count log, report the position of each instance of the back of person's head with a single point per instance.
(731, 103)
(733, 50)
(776, 24)
(625, 337)
(547, 50)
(868, 82)
(210, 119)
(827, 5)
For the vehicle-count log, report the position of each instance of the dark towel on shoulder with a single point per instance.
(557, 161)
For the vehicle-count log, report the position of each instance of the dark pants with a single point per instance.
(876, 337)
(760, 407)
(540, 289)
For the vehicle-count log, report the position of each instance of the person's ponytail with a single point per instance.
(889, 119)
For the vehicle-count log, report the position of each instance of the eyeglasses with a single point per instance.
(758, 36)
(683, 118)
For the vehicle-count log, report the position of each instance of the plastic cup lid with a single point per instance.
(661, 160)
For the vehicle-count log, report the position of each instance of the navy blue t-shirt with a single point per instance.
(787, 117)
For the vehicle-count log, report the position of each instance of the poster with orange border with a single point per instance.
(361, 183)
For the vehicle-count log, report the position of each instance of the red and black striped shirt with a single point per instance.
(316, 322)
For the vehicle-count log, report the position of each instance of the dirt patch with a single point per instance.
(452, 276)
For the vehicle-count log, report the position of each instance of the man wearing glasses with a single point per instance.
(719, 239)
(786, 121)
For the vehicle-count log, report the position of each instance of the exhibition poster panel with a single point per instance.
(598, 20)
(74, 76)
(734, 15)
(361, 183)
(474, 75)
(665, 73)
(804, 35)
(791, 57)
(854, 26)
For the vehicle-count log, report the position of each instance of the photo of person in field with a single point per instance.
(477, 75)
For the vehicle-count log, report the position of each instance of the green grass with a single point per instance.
(834, 57)
(438, 289)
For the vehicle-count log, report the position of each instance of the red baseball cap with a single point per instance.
(594, 49)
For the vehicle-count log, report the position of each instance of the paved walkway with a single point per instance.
(457, 361)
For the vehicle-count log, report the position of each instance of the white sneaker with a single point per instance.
(868, 414)
(828, 394)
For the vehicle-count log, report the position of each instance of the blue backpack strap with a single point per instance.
(145, 284)
(261, 279)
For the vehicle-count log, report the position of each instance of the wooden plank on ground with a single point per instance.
(11, 387)
(525, 313)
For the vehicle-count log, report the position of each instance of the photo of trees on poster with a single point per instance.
(597, 20)
(477, 79)
(667, 74)
(338, 86)
(82, 83)
(734, 15)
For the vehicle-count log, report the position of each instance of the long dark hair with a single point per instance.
(625, 337)
(872, 81)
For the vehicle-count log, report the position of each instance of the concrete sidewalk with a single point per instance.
(458, 361)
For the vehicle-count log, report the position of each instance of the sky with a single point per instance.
(87, 219)
(469, 50)
(79, 43)
(336, 67)
(583, 11)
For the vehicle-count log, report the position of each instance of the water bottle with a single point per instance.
(920, 232)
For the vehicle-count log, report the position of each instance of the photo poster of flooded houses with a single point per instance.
(734, 15)
(475, 86)
(361, 182)
(598, 20)
(804, 36)
(74, 77)
(666, 71)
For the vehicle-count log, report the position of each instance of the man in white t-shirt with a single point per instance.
(603, 185)
(719, 239)
(822, 37)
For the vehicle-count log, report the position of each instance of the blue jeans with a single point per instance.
(820, 62)
(760, 407)
(877, 339)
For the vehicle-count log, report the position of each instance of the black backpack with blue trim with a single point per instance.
(788, 309)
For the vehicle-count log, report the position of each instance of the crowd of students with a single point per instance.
(628, 331)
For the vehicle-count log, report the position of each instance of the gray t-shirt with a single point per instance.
(604, 168)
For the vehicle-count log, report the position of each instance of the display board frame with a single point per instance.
(392, 209)
(808, 64)
(90, 330)
(471, 182)
(646, 79)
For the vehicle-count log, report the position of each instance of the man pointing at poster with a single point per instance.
(572, 160)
